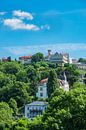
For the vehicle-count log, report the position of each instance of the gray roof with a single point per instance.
(38, 103)
(56, 56)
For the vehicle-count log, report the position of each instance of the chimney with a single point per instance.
(49, 53)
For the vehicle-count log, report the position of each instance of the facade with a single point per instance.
(42, 89)
(6, 59)
(35, 109)
(59, 58)
(74, 61)
(81, 66)
(25, 59)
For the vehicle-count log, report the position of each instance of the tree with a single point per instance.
(72, 74)
(82, 60)
(33, 76)
(66, 110)
(4, 79)
(22, 76)
(5, 113)
(19, 91)
(13, 105)
(10, 67)
(37, 57)
(52, 83)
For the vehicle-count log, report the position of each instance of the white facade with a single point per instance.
(42, 91)
(57, 57)
(35, 109)
(81, 66)
(25, 61)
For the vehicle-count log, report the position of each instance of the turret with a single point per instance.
(49, 53)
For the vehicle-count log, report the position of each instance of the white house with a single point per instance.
(81, 66)
(35, 109)
(25, 59)
(42, 89)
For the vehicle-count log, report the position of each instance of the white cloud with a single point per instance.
(45, 27)
(2, 13)
(65, 47)
(16, 24)
(22, 14)
(56, 12)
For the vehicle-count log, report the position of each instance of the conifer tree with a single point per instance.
(52, 83)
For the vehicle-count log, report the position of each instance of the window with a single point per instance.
(28, 115)
(41, 89)
(41, 94)
(28, 108)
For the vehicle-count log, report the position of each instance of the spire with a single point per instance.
(66, 85)
(65, 77)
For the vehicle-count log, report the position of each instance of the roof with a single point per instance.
(38, 103)
(44, 81)
(25, 57)
(56, 56)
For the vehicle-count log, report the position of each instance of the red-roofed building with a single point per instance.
(42, 89)
(25, 59)
(44, 81)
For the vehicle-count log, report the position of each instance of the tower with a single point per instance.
(49, 52)
(66, 85)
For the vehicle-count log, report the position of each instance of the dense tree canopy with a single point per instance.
(82, 60)
(37, 57)
(5, 112)
(52, 83)
(67, 110)
(72, 74)
(18, 86)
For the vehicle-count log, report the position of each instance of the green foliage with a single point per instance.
(3, 79)
(82, 60)
(13, 105)
(18, 91)
(37, 57)
(72, 74)
(52, 83)
(2, 126)
(10, 67)
(67, 110)
(22, 76)
(34, 76)
(5, 113)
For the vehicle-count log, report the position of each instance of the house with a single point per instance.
(80, 65)
(25, 59)
(35, 108)
(6, 59)
(42, 89)
(74, 61)
(59, 58)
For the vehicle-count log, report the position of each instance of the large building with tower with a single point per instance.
(59, 58)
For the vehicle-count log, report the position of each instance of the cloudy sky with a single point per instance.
(29, 26)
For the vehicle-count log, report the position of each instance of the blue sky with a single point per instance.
(38, 25)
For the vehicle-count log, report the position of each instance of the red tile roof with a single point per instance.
(25, 57)
(44, 81)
